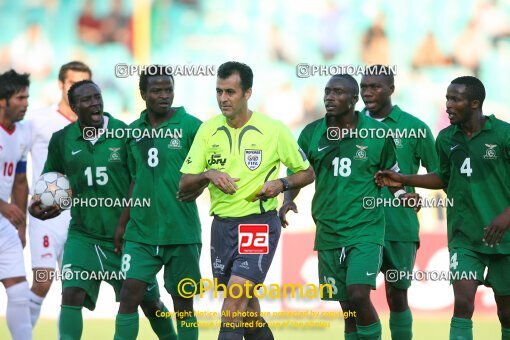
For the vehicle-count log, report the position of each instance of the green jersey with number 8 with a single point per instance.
(477, 173)
(343, 206)
(99, 177)
(154, 164)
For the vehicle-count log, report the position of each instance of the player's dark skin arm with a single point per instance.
(496, 230)
(121, 225)
(288, 204)
(388, 178)
(19, 198)
(190, 196)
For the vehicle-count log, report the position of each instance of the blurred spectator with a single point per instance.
(285, 104)
(375, 47)
(116, 26)
(494, 21)
(89, 27)
(470, 48)
(428, 53)
(279, 49)
(31, 52)
(332, 37)
(312, 104)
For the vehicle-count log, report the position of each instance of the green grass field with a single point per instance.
(425, 327)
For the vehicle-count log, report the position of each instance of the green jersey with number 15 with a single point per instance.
(96, 171)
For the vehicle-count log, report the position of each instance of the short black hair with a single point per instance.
(153, 71)
(474, 88)
(74, 87)
(77, 66)
(245, 73)
(380, 71)
(353, 84)
(11, 82)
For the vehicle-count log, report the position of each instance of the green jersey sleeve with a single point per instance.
(389, 155)
(443, 171)
(289, 152)
(54, 161)
(131, 163)
(426, 151)
(195, 161)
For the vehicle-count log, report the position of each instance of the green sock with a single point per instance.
(505, 333)
(401, 325)
(461, 329)
(163, 327)
(126, 326)
(187, 328)
(351, 336)
(370, 332)
(70, 323)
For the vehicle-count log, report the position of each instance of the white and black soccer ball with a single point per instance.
(53, 188)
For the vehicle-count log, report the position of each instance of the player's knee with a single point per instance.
(358, 296)
(182, 305)
(464, 305)
(132, 292)
(73, 296)
(504, 316)
(238, 304)
(397, 299)
(41, 288)
(150, 308)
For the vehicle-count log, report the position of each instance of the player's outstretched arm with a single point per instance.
(496, 230)
(121, 225)
(43, 214)
(288, 204)
(388, 178)
(190, 196)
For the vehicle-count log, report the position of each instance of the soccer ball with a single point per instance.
(53, 188)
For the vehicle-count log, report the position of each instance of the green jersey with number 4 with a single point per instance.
(477, 173)
(154, 164)
(96, 171)
(343, 206)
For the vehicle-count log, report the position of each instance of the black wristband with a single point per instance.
(285, 184)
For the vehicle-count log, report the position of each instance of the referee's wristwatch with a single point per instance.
(285, 184)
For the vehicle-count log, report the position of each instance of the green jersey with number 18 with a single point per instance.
(343, 206)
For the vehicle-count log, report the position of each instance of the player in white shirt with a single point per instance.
(47, 237)
(14, 144)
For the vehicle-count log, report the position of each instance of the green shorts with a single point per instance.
(399, 257)
(466, 264)
(356, 264)
(143, 261)
(85, 265)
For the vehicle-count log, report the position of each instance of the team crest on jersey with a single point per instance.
(252, 158)
(114, 155)
(490, 153)
(361, 154)
(175, 143)
(398, 143)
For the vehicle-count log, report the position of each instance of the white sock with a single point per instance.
(18, 311)
(35, 307)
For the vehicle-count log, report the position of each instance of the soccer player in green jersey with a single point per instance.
(474, 170)
(168, 234)
(401, 239)
(96, 167)
(350, 228)
(238, 155)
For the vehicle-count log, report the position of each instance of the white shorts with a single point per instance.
(47, 239)
(11, 252)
